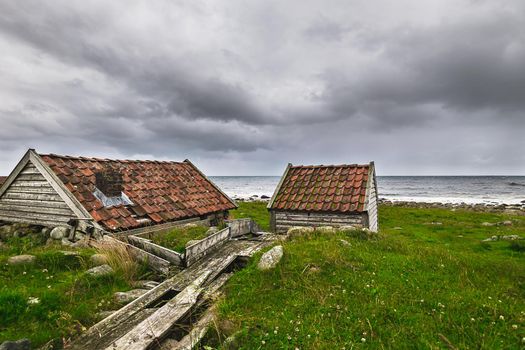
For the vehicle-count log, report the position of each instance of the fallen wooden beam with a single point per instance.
(192, 339)
(155, 249)
(155, 327)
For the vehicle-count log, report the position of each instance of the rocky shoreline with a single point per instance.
(518, 209)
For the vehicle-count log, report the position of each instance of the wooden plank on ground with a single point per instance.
(198, 331)
(156, 326)
(165, 253)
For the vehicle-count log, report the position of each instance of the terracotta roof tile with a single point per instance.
(160, 191)
(334, 188)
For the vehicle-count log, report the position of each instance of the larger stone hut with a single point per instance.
(325, 195)
(108, 195)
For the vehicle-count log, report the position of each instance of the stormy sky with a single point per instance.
(244, 87)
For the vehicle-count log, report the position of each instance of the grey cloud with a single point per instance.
(265, 83)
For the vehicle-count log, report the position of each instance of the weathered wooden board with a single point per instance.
(156, 263)
(147, 230)
(159, 323)
(197, 332)
(200, 249)
(286, 219)
(106, 331)
(240, 227)
(165, 253)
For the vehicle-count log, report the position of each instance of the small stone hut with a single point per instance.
(108, 195)
(325, 195)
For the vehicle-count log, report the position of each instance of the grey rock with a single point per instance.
(98, 259)
(70, 253)
(101, 270)
(21, 259)
(22, 344)
(299, 231)
(79, 236)
(66, 242)
(271, 258)
(265, 197)
(487, 224)
(81, 244)
(506, 223)
(46, 232)
(503, 238)
(59, 232)
(126, 297)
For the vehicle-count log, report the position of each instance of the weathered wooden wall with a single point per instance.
(281, 221)
(198, 250)
(31, 199)
(240, 227)
(372, 207)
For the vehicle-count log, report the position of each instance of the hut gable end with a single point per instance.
(28, 197)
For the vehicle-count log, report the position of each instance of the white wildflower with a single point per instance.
(33, 300)
(501, 317)
(363, 340)
(263, 342)
(514, 326)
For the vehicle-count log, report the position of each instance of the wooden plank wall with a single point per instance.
(198, 250)
(31, 199)
(286, 219)
(372, 208)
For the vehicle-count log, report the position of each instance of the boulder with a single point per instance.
(271, 258)
(70, 253)
(126, 297)
(299, 231)
(101, 270)
(487, 224)
(98, 259)
(59, 232)
(21, 259)
(506, 223)
(350, 227)
(265, 197)
(46, 232)
(22, 344)
(66, 242)
(326, 229)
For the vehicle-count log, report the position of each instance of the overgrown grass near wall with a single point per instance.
(177, 238)
(253, 210)
(52, 298)
(427, 283)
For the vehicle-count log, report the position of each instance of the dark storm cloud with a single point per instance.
(267, 82)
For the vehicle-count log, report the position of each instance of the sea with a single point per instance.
(430, 189)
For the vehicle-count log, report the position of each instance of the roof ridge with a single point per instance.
(331, 166)
(96, 159)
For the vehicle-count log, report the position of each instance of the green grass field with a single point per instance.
(427, 283)
(177, 238)
(68, 300)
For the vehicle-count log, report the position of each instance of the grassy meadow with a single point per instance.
(428, 282)
(53, 298)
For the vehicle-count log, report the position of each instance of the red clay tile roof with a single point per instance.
(2, 179)
(161, 191)
(333, 188)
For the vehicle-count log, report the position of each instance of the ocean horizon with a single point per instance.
(432, 189)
